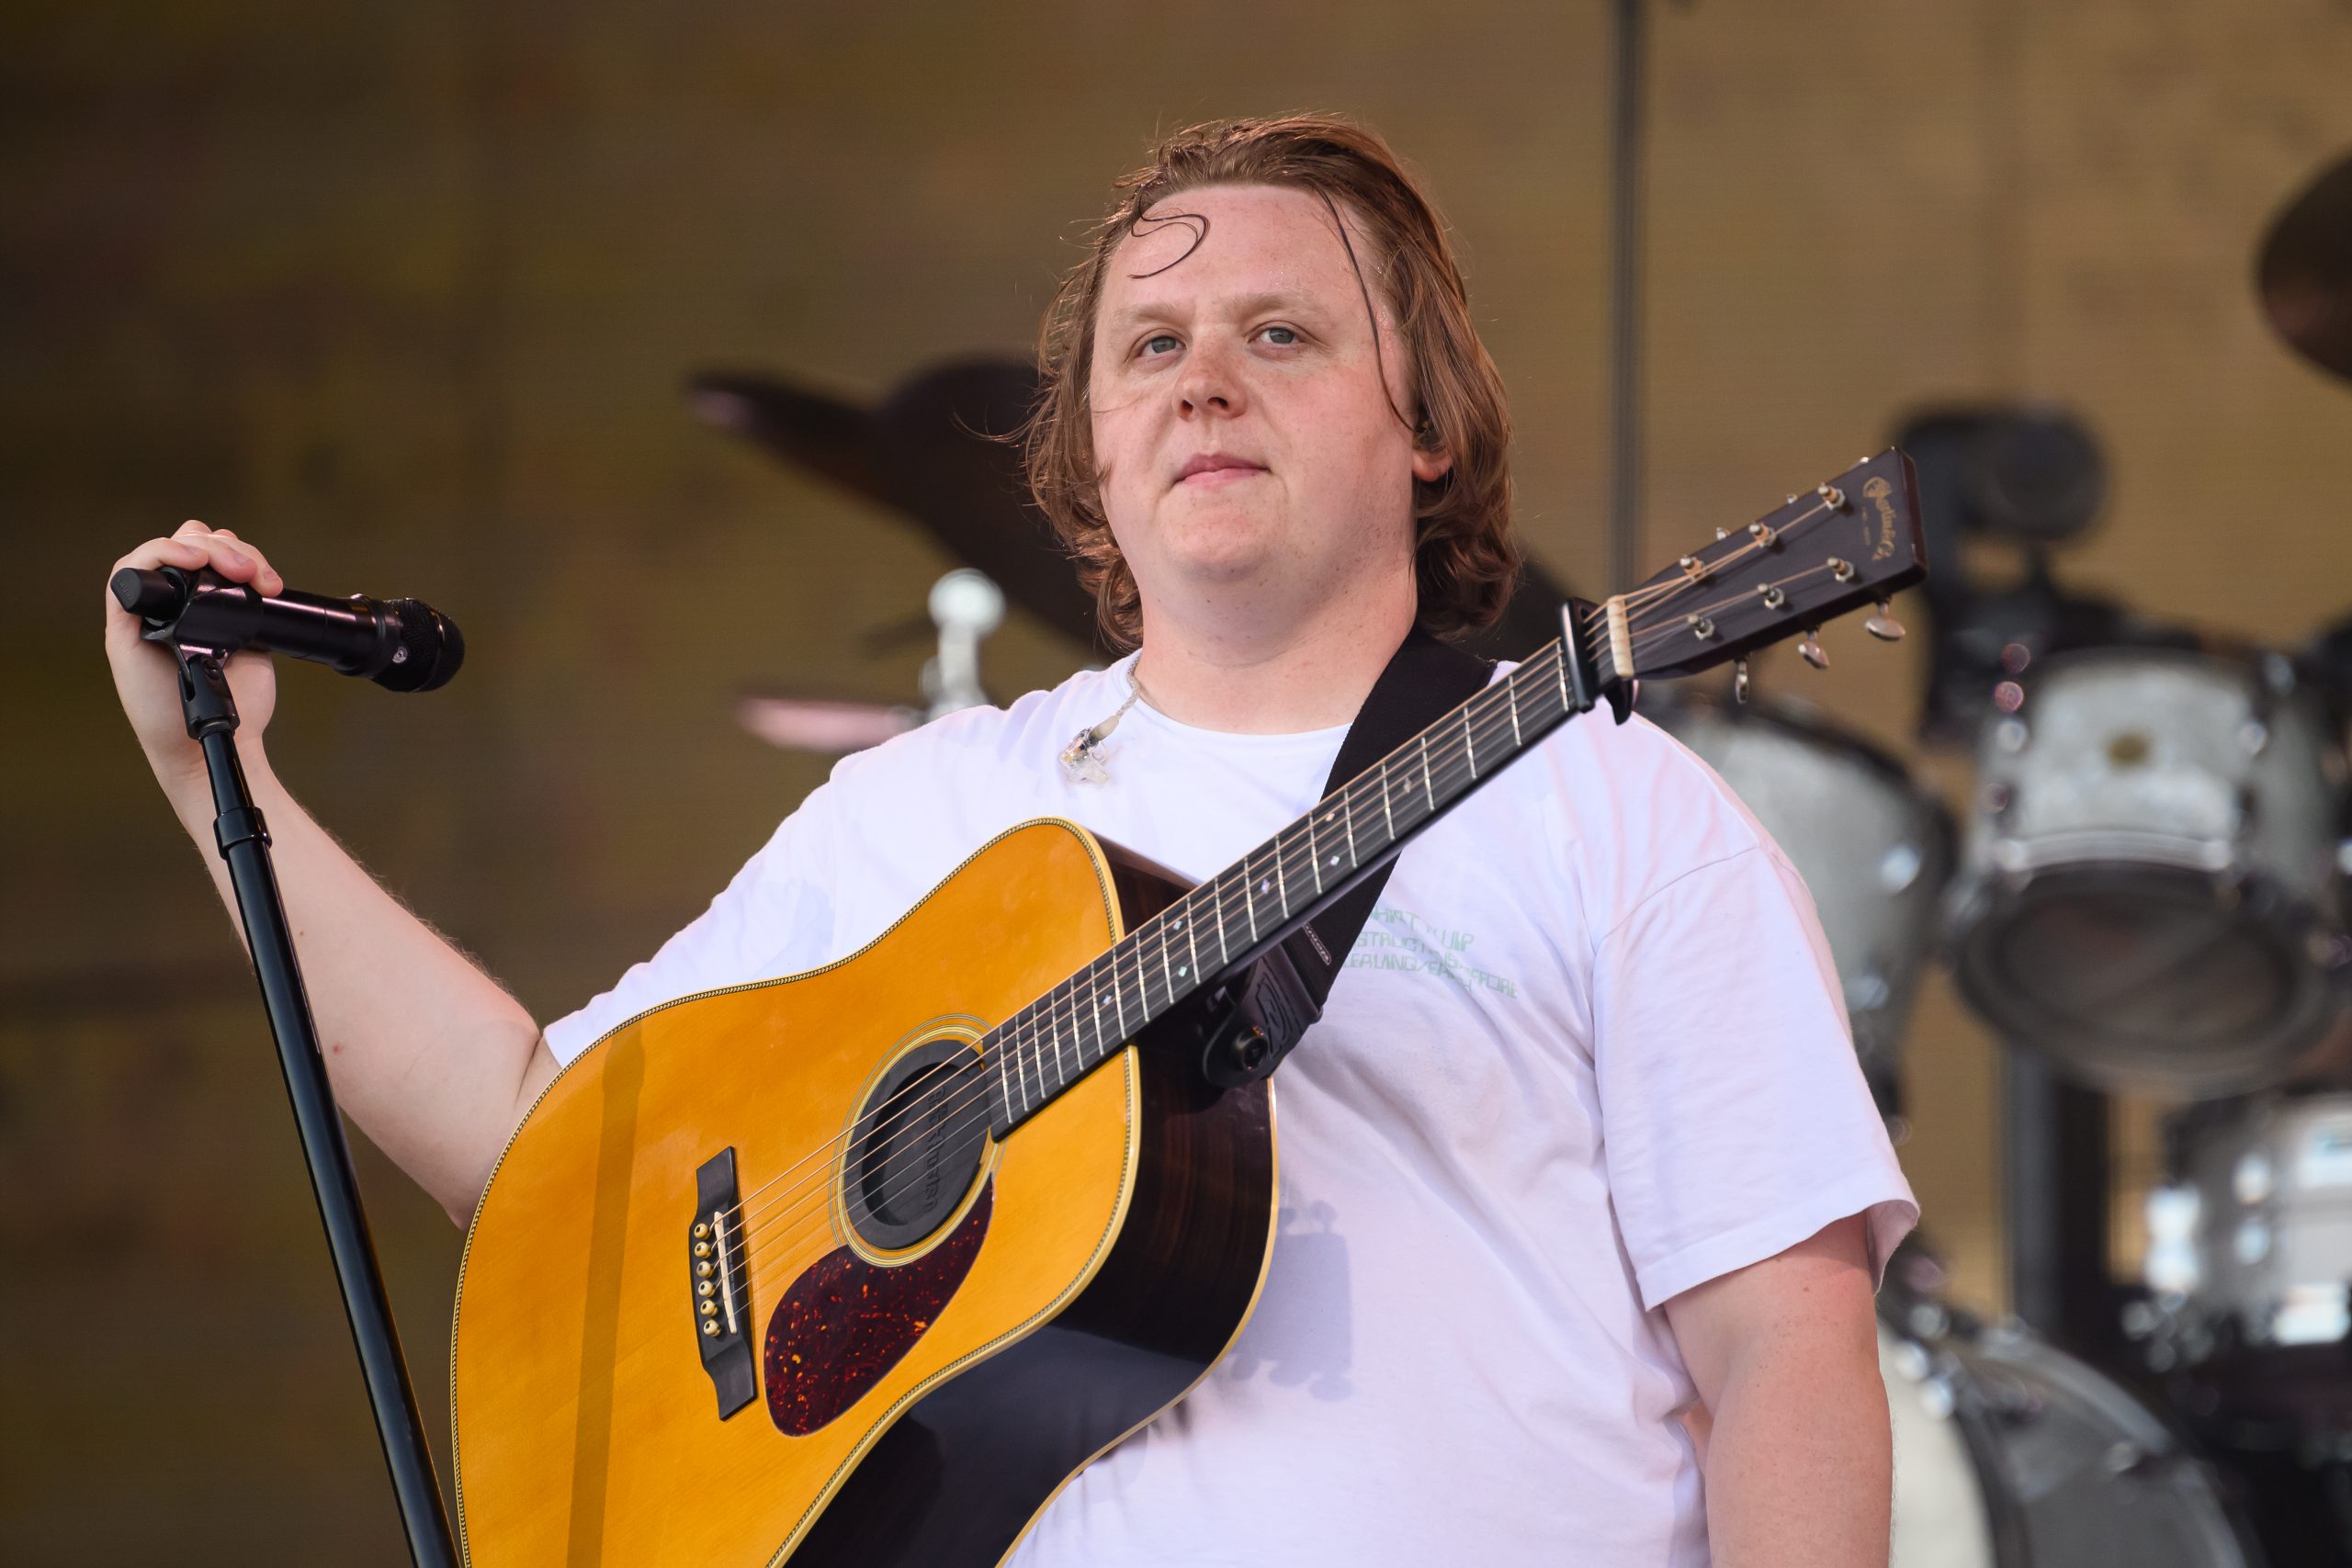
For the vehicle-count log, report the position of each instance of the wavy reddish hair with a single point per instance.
(1465, 556)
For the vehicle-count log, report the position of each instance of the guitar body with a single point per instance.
(913, 1378)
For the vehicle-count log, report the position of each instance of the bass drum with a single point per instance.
(2150, 889)
(2009, 1454)
(1872, 846)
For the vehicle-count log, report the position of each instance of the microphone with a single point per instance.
(402, 645)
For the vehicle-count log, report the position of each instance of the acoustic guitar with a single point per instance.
(860, 1265)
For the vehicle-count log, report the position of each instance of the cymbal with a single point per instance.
(822, 724)
(935, 450)
(2305, 271)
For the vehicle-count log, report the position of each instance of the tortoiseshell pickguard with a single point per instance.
(846, 1322)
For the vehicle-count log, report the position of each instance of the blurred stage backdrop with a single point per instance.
(407, 295)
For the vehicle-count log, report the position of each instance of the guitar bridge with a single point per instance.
(718, 1278)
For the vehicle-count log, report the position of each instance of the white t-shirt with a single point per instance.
(1589, 1052)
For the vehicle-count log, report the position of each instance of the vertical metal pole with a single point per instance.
(2055, 1191)
(244, 841)
(1625, 295)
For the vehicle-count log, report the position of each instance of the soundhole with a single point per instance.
(916, 1146)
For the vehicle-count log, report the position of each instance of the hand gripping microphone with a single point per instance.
(402, 645)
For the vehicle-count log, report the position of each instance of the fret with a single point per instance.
(1068, 1070)
(1077, 1040)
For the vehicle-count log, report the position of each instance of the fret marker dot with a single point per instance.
(1266, 886)
(1335, 859)
(1180, 969)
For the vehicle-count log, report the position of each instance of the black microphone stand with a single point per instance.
(244, 839)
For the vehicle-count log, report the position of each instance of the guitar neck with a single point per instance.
(1230, 921)
(1848, 543)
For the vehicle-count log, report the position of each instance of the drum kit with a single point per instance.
(2147, 891)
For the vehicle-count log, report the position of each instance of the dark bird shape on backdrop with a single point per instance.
(2305, 271)
(937, 449)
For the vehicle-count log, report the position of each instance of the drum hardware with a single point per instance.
(2033, 479)
(2151, 885)
(964, 607)
(2010, 1454)
(2249, 1261)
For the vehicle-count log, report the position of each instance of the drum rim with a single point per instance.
(1958, 1352)
(2314, 994)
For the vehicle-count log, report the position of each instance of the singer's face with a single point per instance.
(1247, 451)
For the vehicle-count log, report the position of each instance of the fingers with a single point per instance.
(195, 546)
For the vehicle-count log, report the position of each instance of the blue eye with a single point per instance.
(1151, 345)
(1282, 335)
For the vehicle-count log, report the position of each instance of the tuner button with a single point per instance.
(1739, 681)
(1810, 649)
(1883, 625)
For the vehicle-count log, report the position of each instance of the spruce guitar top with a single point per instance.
(861, 1265)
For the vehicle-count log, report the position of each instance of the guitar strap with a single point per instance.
(1425, 681)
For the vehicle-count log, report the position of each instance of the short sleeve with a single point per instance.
(776, 917)
(1736, 1119)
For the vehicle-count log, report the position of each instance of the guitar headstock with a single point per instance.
(1852, 542)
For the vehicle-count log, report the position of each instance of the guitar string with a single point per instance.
(1009, 1048)
(1638, 596)
(765, 1233)
(1642, 596)
(977, 1070)
(1027, 1040)
(779, 1235)
(1028, 1037)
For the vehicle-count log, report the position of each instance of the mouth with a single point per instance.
(1215, 469)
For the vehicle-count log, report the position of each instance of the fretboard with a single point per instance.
(1237, 914)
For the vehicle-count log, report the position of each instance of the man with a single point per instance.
(1583, 1196)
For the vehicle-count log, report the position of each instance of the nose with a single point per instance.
(1212, 382)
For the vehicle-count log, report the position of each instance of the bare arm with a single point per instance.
(428, 1054)
(1793, 1434)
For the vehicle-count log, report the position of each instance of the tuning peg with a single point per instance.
(1883, 625)
(1810, 649)
(1739, 681)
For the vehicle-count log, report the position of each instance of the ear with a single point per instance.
(1430, 465)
